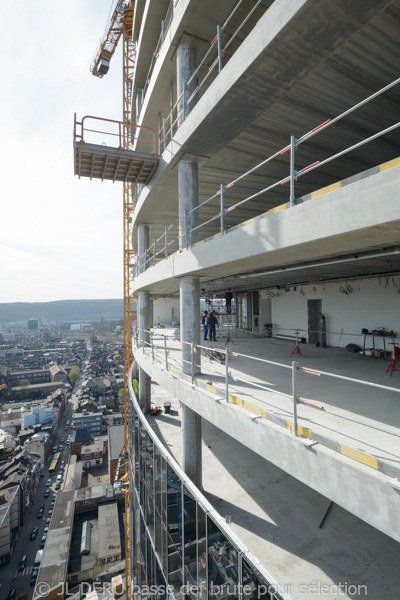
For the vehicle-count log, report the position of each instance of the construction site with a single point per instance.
(258, 152)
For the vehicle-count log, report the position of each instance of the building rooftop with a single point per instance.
(116, 441)
(109, 540)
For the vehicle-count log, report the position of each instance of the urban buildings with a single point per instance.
(277, 181)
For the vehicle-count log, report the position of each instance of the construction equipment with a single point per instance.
(120, 25)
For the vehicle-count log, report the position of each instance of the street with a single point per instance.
(10, 577)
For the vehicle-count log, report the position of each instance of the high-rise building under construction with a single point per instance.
(261, 177)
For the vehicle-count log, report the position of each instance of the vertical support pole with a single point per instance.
(166, 242)
(154, 252)
(162, 30)
(222, 208)
(192, 349)
(159, 133)
(227, 374)
(186, 229)
(294, 367)
(219, 49)
(142, 340)
(171, 104)
(164, 132)
(152, 345)
(292, 172)
(166, 353)
(184, 102)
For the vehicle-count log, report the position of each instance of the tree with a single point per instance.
(121, 397)
(74, 374)
(23, 383)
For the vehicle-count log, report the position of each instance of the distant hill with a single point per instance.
(62, 310)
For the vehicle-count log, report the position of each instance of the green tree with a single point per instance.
(74, 374)
(23, 383)
(121, 398)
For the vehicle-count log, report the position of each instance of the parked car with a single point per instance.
(62, 440)
(62, 464)
(47, 493)
(11, 594)
(50, 513)
(33, 577)
(57, 486)
(48, 522)
(60, 447)
(66, 428)
(67, 443)
(22, 563)
(48, 483)
(40, 513)
(52, 505)
(54, 449)
(53, 498)
(43, 541)
(45, 530)
(34, 533)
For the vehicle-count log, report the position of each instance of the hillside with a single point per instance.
(62, 310)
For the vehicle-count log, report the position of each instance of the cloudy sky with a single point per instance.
(61, 237)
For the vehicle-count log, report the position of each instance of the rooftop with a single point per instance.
(109, 540)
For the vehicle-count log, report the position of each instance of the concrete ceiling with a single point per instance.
(363, 58)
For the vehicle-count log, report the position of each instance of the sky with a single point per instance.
(60, 237)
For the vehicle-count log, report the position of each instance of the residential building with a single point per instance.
(92, 454)
(57, 373)
(115, 448)
(9, 521)
(92, 421)
(79, 438)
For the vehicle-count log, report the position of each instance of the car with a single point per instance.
(62, 464)
(33, 577)
(67, 423)
(50, 513)
(43, 541)
(47, 493)
(40, 513)
(11, 594)
(62, 440)
(54, 449)
(41, 507)
(48, 483)
(34, 533)
(22, 563)
(66, 428)
(67, 443)
(57, 486)
(48, 522)
(53, 498)
(60, 447)
(45, 530)
(52, 505)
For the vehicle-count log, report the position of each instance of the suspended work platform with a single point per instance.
(117, 162)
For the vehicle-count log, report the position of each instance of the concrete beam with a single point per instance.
(339, 222)
(361, 490)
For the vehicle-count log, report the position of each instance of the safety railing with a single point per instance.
(169, 351)
(116, 129)
(220, 201)
(181, 526)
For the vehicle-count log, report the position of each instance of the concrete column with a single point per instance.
(188, 190)
(185, 66)
(144, 318)
(190, 321)
(191, 432)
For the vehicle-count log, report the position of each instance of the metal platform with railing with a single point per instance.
(112, 163)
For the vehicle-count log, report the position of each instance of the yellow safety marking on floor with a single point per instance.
(277, 209)
(211, 388)
(359, 457)
(253, 409)
(300, 430)
(217, 235)
(326, 190)
(390, 164)
(200, 242)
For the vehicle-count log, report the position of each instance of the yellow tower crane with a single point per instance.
(120, 25)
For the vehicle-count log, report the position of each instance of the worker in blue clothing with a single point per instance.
(204, 323)
(212, 322)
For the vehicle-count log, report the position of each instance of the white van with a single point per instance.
(59, 477)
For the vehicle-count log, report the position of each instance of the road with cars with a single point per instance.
(17, 577)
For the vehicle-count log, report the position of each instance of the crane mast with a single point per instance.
(120, 25)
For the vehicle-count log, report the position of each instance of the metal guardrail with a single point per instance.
(121, 127)
(183, 234)
(225, 355)
(166, 477)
